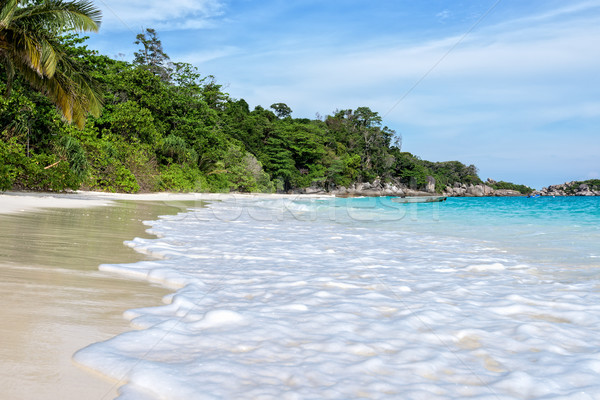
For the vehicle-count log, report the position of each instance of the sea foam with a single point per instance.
(279, 300)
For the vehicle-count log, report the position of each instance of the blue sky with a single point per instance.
(511, 86)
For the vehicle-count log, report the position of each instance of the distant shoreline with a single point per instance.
(24, 201)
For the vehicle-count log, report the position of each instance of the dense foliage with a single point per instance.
(512, 186)
(165, 127)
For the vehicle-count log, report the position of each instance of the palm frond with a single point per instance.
(62, 15)
(29, 44)
(7, 11)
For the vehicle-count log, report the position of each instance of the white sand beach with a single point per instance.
(55, 301)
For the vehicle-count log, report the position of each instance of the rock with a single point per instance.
(340, 191)
(430, 186)
(460, 191)
(572, 188)
(313, 190)
(487, 190)
(411, 192)
(585, 193)
(507, 193)
(474, 191)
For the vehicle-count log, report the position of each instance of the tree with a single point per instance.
(30, 45)
(152, 55)
(282, 110)
(361, 133)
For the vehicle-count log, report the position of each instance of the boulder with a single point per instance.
(585, 193)
(313, 190)
(340, 191)
(507, 193)
(474, 191)
(430, 186)
(487, 190)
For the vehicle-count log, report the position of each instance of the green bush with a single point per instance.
(37, 172)
(11, 163)
(511, 186)
(178, 178)
(47, 172)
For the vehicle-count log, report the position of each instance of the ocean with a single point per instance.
(364, 298)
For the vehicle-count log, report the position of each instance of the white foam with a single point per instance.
(486, 267)
(289, 308)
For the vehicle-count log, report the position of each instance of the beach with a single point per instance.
(254, 296)
(55, 299)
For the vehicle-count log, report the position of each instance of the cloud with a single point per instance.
(119, 15)
(443, 15)
(534, 68)
(569, 10)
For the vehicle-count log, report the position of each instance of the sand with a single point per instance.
(55, 301)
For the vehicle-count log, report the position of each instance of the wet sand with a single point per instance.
(54, 299)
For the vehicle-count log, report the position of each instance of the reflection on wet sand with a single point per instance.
(55, 301)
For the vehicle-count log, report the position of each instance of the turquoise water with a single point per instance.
(295, 298)
(562, 230)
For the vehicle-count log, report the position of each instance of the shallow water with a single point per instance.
(55, 301)
(365, 298)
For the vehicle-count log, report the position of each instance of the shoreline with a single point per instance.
(56, 301)
(23, 201)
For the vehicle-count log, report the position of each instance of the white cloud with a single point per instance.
(443, 15)
(119, 15)
(574, 7)
(531, 71)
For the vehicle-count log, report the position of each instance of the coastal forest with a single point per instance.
(71, 118)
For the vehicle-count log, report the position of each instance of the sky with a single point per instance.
(511, 86)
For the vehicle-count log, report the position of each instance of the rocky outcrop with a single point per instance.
(482, 190)
(377, 188)
(569, 189)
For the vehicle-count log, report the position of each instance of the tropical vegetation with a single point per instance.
(523, 189)
(32, 46)
(166, 127)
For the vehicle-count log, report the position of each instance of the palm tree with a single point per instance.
(30, 33)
